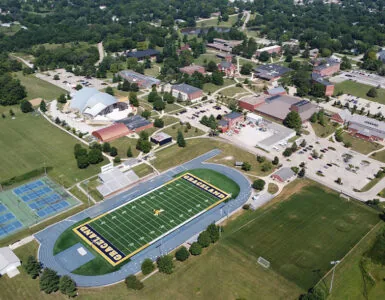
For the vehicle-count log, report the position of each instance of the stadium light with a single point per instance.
(334, 263)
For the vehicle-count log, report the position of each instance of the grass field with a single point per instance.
(210, 87)
(361, 145)
(205, 58)
(214, 22)
(135, 225)
(29, 145)
(142, 170)
(303, 233)
(38, 88)
(324, 131)
(359, 90)
(123, 143)
(173, 131)
(379, 156)
(231, 91)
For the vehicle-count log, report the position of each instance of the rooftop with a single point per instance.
(143, 53)
(271, 71)
(285, 173)
(276, 90)
(254, 100)
(185, 88)
(135, 77)
(233, 115)
(160, 136)
(134, 122)
(268, 48)
(318, 78)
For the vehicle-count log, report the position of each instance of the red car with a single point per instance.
(311, 158)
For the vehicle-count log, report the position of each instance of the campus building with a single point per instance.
(252, 102)
(271, 72)
(186, 92)
(8, 262)
(361, 126)
(223, 45)
(192, 69)
(136, 123)
(230, 120)
(111, 133)
(141, 80)
(279, 90)
(161, 138)
(141, 55)
(270, 49)
(326, 66)
(91, 103)
(283, 174)
(328, 86)
(227, 67)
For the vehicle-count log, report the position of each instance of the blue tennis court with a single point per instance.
(8, 221)
(25, 188)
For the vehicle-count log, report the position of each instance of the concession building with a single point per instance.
(161, 138)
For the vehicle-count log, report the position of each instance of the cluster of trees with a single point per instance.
(50, 282)
(290, 150)
(86, 157)
(180, 140)
(210, 122)
(246, 49)
(266, 165)
(128, 87)
(319, 117)
(11, 90)
(143, 144)
(159, 102)
(293, 120)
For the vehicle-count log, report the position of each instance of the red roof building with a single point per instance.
(111, 133)
(251, 102)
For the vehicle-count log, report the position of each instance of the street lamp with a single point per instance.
(334, 263)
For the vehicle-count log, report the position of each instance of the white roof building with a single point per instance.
(251, 117)
(8, 262)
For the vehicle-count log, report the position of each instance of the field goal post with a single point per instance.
(263, 262)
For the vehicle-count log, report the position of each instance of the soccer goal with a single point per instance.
(263, 262)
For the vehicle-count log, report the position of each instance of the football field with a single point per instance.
(128, 229)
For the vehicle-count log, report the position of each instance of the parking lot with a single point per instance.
(361, 77)
(69, 81)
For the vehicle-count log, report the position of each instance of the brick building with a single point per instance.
(270, 49)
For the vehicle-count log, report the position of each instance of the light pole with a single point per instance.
(334, 263)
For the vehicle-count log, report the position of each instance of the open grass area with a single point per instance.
(168, 120)
(205, 58)
(379, 156)
(91, 184)
(214, 22)
(360, 145)
(38, 88)
(173, 131)
(329, 227)
(123, 143)
(174, 155)
(10, 30)
(172, 107)
(272, 188)
(372, 183)
(154, 71)
(359, 90)
(30, 144)
(211, 88)
(142, 170)
(231, 91)
(324, 131)
(78, 194)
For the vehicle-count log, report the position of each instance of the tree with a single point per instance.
(32, 267)
(264, 56)
(294, 147)
(260, 158)
(345, 63)
(165, 264)
(95, 156)
(129, 152)
(110, 90)
(113, 151)
(303, 143)
(43, 106)
(182, 254)
(246, 166)
(275, 160)
(78, 87)
(49, 281)
(133, 99)
(152, 96)
(287, 152)
(217, 78)
(204, 239)
(147, 266)
(195, 249)
(293, 120)
(259, 184)
(301, 173)
(159, 123)
(211, 66)
(180, 139)
(62, 98)
(213, 231)
(314, 294)
(313, 118)
(126, 86)
(159, 104)
(169, 98)
(133, 283)
(372, 92)
(67, 286)
(106, 147)
(146, 114)
(246, 69)
(26, 106)
(56, 77)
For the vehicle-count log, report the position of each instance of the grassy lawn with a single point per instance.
(79, 194)
(372, 183)
(172, 107)
(173, 131)
(330, 227)
(359, 90)
(210, 87)
(272, 188)
(379, 156)
(92, 184)
(214, 22)
(142, 170)
(205, 58)
(174, 155)
(123, 143)
(231, 91)
(168, 120)
(38, 88)
(154, 71)
(361, 145)
(30, 145)
(324, 131)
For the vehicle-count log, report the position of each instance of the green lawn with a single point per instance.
(210, 87)
(38, 88)
(79, 194)
(361, 145)
(272, 188)
(303, 233)
(231, 91)
(154, 71)
(123, 143)
(214, 22)
(168, 120)
(379, 156)
(32, 142)
(172, 107)
(142, 170)
(92, 184)
(173, 131)
(324, 131)
(359, 90)
(205, 58)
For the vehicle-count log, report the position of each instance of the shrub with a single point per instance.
(133, 283)
(204, 239)
(182, 254)
(165, 264)
(213, 231)
(195, 249)
(147, 266)
(259, 184)
(32, 267)
(49, 281)
(67, 286)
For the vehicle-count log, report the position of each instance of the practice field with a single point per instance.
(302, 234)
(128, 229)
(30, 203)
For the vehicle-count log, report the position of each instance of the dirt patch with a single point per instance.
(232, 217)
(228, 158)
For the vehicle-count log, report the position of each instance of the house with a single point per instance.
(161, 138)
(143, 54)
(270, 49)
(111, 133)
(141, 80)
(91, 103)
(283, 174)
(271, 72)
(279, 90)
(328, 86)
(186, 92)
(192, 69)
(251, 102)
(136, 123)
(326, 66)
(277, 107)
(185, 47)
(227, 67)
(8, 262)
(361, 126)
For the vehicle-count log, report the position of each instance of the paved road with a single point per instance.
(48, 236)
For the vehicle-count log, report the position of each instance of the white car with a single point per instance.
(255, 197)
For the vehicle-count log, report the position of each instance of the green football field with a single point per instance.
(122, 232)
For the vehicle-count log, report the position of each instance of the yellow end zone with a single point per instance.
(113, 255)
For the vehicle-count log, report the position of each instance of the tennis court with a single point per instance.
(30, 203)
(128, 229)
